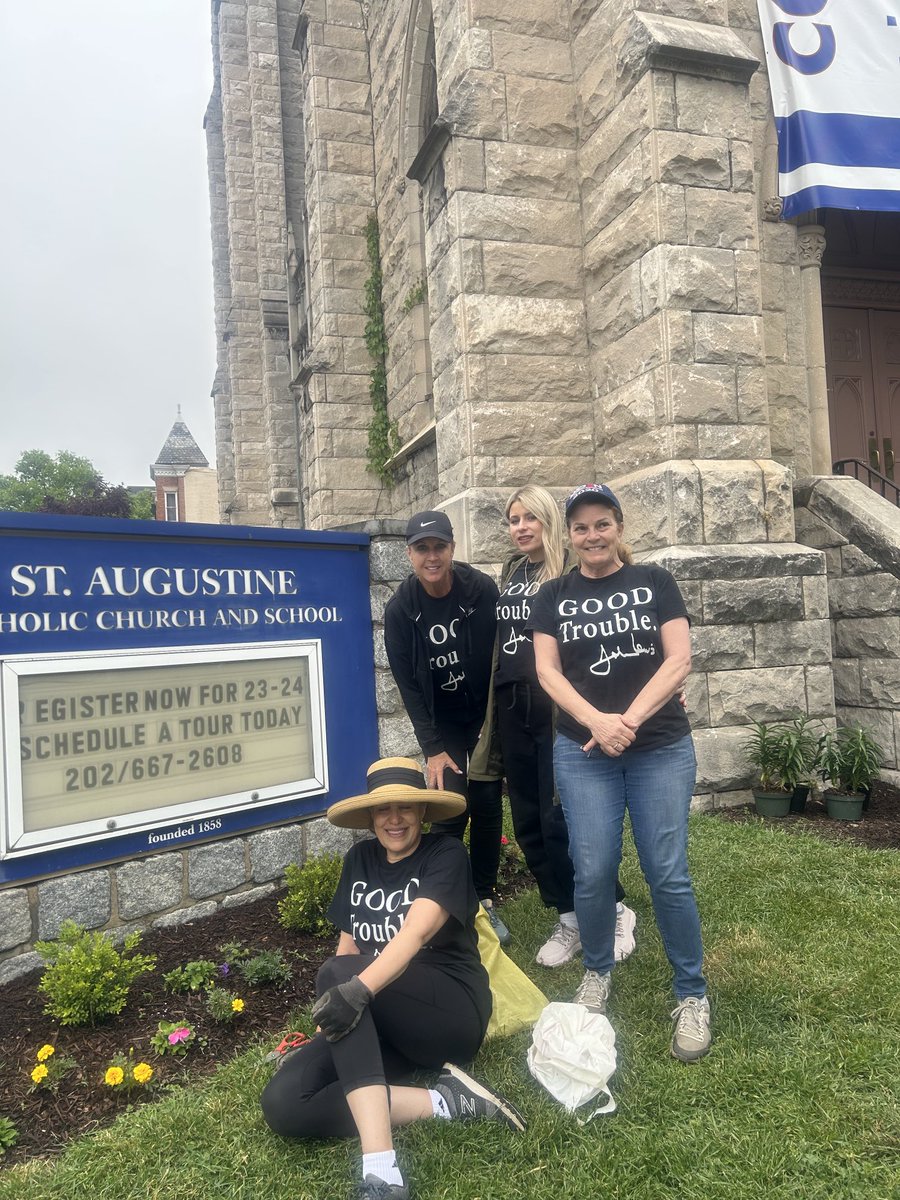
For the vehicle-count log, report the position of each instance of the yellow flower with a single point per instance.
(39, 1073)
(143, 1072)
(237, 1005)
(114, 1076)
(45, 1052)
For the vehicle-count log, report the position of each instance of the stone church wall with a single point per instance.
(584, 276)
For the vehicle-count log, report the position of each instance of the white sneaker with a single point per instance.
(560, 947)
(593, 991)
(691, 1036)
(625, 922)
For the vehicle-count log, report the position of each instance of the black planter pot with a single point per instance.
(799, 797)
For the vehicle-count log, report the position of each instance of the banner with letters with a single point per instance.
(834, 74)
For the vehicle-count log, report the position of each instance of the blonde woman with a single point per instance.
(518, 737)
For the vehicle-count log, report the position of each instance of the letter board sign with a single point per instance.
(162, 684)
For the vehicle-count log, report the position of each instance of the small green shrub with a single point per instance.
(201, 973)
(9, 1135)
(311, 889)
(268, 966)
(233, 952)
(87, 978)
(223, 1005)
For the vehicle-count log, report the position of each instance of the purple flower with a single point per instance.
(224, 969)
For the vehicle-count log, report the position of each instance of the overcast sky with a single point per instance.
(106, 323)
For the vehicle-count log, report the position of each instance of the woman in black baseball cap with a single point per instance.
(439, 637)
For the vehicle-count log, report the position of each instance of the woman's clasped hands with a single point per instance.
(611, 732)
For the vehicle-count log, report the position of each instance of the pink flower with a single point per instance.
(179, 1035)
(504, 840)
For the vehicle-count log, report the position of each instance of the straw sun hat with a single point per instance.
(394, 781)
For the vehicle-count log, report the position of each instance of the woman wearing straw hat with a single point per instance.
(405, 990)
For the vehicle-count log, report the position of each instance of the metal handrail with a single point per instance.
(873, 479)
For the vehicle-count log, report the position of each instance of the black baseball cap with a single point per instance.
(429, 524)
(598, 492)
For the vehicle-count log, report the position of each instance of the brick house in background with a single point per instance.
(186, 485)
(585, 276)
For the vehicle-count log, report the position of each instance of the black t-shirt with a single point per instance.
(443, 621)
(374, 896)
(515, 657)
(607, 631)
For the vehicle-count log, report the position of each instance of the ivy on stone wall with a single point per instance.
(384, 439)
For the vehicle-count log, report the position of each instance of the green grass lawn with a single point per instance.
(798, 1100)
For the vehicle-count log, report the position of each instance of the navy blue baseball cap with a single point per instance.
(587, 492)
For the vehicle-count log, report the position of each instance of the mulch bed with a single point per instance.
(46, 1120)
(879, 828)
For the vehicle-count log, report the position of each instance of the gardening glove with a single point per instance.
(338, 1011)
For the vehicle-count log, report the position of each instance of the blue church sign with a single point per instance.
(162, 684)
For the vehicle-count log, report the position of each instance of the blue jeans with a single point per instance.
(656, 787)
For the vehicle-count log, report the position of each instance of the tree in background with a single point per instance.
(63, 483)
(143, 505)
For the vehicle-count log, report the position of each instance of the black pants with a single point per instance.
(421, 1020)
(484, 806)
(525, 722)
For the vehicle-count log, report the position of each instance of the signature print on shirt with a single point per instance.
(516, 612)
(377, 916)
(439, 635)
(614, 624)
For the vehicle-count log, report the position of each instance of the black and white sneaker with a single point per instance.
(469, 1100)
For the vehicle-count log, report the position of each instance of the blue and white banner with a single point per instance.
(834, 72)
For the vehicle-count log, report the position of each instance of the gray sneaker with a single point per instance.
(373, 1188)
(691, 1036)
(504, 937)
(560, 947)
(593, 991)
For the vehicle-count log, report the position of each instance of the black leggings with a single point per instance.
(525, 726)
(421, 1020)
(484, 805)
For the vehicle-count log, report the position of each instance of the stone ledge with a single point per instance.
(744, 561)
(654, 41)
(855, 511)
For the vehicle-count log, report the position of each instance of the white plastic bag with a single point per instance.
(573, 1054)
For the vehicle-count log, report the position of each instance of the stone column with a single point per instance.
(254, 408)
(678, 353)
(810, 248)
(508, 343)
(338, 135)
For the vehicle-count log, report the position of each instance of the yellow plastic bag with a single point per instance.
(517, 1001)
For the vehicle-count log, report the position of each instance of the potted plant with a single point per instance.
(783, 756)
(762, 755)
(850, 759)
(800, 747)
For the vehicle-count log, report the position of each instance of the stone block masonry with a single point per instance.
(167, 889)
(859, 534)
(760, 650)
